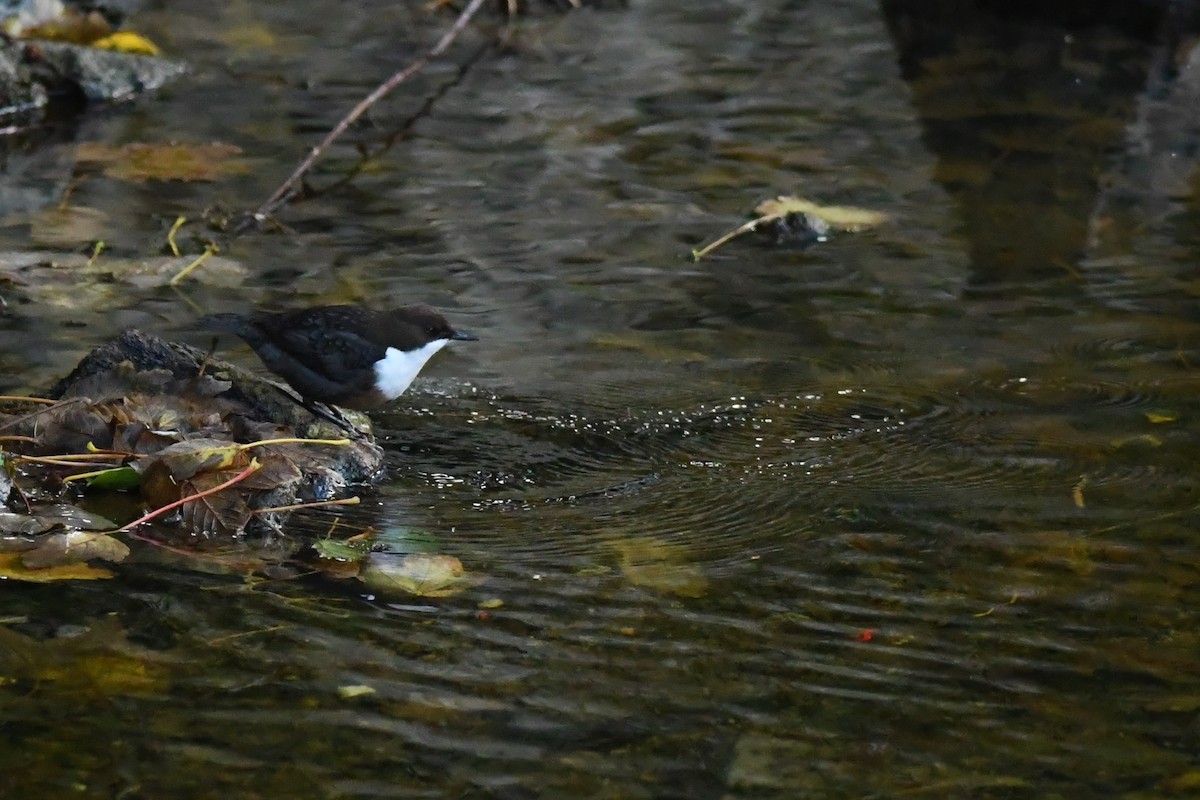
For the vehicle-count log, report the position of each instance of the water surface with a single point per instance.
(907, 513)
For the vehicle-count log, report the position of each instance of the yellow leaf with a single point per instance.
(11, 568)
(847, 218)
(1161, 415)
(127, 42)
(420, 574)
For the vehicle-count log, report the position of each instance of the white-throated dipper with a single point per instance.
(344, 355)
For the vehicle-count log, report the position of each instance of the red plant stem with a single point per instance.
(381, 91)
(158, 512)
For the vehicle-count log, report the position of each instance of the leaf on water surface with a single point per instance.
(794, 220)
(338, 550)
(178, 162)
(11, 567)
(663, 567)
(350, 692)
(72, 547)
(418, 574)
(128, 42)
(1160, 416)
(845, 218)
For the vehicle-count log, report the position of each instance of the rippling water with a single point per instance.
(911, 512)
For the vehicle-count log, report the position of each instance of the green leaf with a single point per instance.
(116, 479)
(340, 550)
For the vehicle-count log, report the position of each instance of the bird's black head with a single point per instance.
(429, 325)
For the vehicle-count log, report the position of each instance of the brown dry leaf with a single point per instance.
(11, 568)
(663, 567)
(73, 547)
(276, 471)
(165, 162)
(224, 513)
(419, 574)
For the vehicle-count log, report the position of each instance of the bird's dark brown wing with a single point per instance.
(326, 339)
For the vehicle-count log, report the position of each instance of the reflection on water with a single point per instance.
(910, 512)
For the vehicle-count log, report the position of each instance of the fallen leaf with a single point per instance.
(417, 573)
(128, 42)
(336, 550)
(846, 218)
(11, 568)
(115, 479)
(73, 547)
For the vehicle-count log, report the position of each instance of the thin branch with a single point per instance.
(345, 501)
(12, 423)
(284, 192)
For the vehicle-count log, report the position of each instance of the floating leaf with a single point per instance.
(337, 550)
(128, 42)
(165, 162)
(417, 573)
(794, 220)
(12, 568)
(846, 218)
(350, 692)
(1160, 416)
(56, 549)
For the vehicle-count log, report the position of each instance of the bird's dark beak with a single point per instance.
(463, 336)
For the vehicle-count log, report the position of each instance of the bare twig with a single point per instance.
(285, 190)
(345, 501)
(16, 398)
(12, 423)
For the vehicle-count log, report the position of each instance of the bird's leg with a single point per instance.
(321, 411)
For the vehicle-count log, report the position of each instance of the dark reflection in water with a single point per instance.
(909, 513)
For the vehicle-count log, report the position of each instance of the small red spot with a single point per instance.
(482, 616)
(865, 635)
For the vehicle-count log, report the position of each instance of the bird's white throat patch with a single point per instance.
(396, 370)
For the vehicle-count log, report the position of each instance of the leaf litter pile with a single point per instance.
(207, 450)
